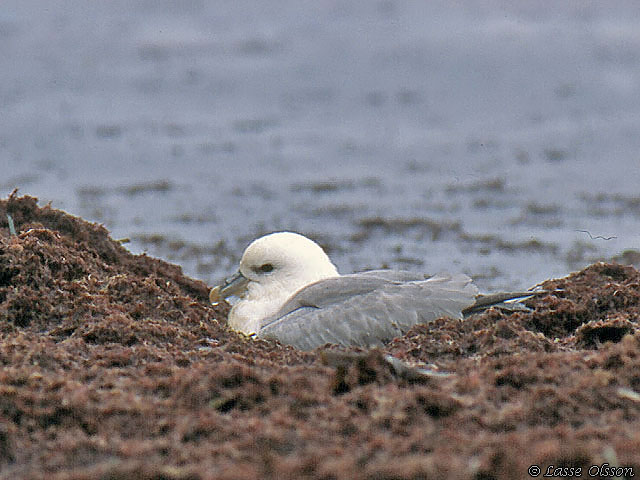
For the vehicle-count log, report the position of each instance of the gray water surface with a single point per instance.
(494, 139)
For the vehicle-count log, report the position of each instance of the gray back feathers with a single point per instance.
(367, 309)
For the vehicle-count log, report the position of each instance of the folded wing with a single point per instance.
(367, 309)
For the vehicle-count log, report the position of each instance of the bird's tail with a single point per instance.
(509, 301)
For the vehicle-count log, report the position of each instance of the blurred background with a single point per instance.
(500, 139)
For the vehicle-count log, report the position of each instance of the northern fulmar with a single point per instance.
(289, 290)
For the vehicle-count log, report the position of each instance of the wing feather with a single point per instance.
(366, 310)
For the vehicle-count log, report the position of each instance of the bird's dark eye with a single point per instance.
(266, 268)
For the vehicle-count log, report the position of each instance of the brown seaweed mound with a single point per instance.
(115, 366)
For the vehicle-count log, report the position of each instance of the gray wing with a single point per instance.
(366, 310)
(335, 290)
(391, 275)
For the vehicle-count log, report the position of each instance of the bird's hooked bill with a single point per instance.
(234, 285)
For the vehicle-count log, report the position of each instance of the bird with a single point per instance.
(289, 290)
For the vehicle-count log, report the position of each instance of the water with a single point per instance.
(496, 139)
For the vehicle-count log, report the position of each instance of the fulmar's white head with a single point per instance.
(272, 269)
